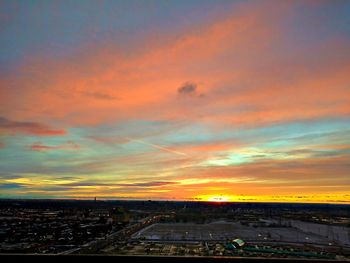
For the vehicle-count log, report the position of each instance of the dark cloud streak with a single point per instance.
(147, 184)
(189, 89)
(30, 128)
(69, 145)
(100, 95)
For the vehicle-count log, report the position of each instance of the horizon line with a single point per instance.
(163, 200)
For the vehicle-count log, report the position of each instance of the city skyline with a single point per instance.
(175, 100)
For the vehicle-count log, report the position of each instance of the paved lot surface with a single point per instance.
(223, 230)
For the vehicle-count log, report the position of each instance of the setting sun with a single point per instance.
(218, 199)
(215, 198)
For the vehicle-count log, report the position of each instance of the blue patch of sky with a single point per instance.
(17, 157)
(57, 28)
(311, 31)
(10, 186)
(286, 134)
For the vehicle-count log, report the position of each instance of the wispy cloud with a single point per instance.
(99, 95)
(156, 146)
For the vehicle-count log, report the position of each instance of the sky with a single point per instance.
(175, 100)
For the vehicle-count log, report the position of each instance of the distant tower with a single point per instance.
(95, 199)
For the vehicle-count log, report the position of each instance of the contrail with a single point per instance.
(156, 146)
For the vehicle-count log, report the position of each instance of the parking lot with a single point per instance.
(222, 231)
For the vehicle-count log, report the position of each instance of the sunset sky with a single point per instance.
(175, 100)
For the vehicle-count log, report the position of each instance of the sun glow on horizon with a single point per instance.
(311, 198)
(217, 198)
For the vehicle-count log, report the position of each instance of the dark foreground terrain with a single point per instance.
(175, 229)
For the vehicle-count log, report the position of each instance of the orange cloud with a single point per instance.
(104, 84)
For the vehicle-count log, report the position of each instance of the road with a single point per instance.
(121, 234)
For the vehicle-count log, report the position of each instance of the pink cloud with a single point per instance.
(69, 145)
(31, 128)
